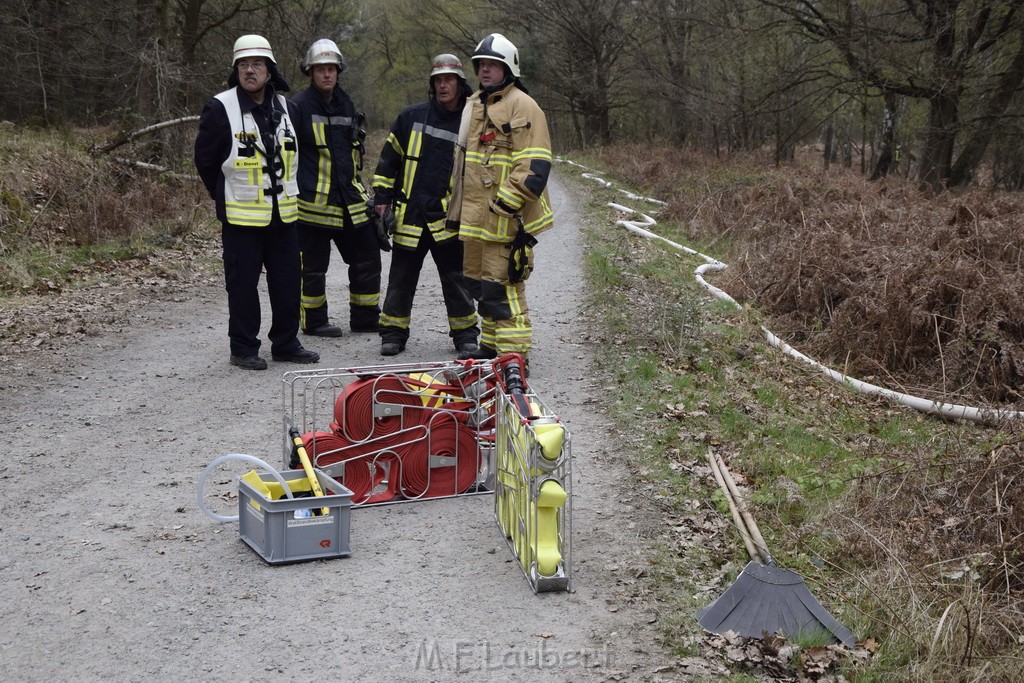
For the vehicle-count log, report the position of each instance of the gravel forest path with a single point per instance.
(109, 570)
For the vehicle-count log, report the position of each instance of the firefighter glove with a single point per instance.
(389, 221)
(520, 258)
(381, 226)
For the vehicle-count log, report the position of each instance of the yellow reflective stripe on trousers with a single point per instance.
(514, 335)
(393, 321)
(314, 301)
(487, 335)
(364, 299)
(465, 322)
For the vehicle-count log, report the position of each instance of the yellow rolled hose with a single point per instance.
(550, 500)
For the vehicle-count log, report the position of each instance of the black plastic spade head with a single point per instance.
(766, 599)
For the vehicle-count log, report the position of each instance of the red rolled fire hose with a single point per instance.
(360, 472)
(447, 438)
(396, 450)
(353, 409)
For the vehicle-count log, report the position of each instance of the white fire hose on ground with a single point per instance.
(949, 410)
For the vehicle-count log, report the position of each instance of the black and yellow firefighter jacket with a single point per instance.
(246, 155)
(507, 164)
(415, 169)
(330, 158)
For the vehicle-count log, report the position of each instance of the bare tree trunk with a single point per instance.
(937, 155)
(978, 143)
(830, 141)
(863, 134)
(887, 154)
(943, 103)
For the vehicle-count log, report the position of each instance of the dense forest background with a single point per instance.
(926, 88)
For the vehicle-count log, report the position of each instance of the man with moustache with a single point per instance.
(245, 153)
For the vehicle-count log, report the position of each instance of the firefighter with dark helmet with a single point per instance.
(332, 200)
(412, 182)
(245, 153)
(500, 199)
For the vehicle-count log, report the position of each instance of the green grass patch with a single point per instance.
(846, 488)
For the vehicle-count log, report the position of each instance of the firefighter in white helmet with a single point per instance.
(332, 199)
(412, 182)
(246, 155)
(500, 199)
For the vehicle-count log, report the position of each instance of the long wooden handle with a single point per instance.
(755, 532)
(736, 518)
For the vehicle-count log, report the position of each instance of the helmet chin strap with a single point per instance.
(499, 86)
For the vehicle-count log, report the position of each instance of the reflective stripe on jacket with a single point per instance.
(250, 182)
(508, 160)
(415, 169)
(330, 155)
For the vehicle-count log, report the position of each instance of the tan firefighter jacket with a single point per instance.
(506, 169)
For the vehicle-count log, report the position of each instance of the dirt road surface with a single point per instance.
(110, 571)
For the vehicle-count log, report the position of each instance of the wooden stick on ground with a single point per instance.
(736, 518)
(755, 532)
(125, 138)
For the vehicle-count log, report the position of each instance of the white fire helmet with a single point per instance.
(500, 49)
(323, 51)
(252, 46)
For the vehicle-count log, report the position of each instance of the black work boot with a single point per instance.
(390, 348)
(325, 330)
(468, 346)
(481, 353)
(249, 362)
(299, 355)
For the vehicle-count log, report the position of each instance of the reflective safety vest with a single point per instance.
(252, 178)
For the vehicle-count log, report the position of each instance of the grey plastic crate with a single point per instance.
(271, 528)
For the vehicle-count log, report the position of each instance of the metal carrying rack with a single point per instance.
(408, 432)
(533, 496)
(396, 433)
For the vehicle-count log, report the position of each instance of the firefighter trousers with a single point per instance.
(246, 252)
(361, 252)
(504, 314)
(403, 278)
